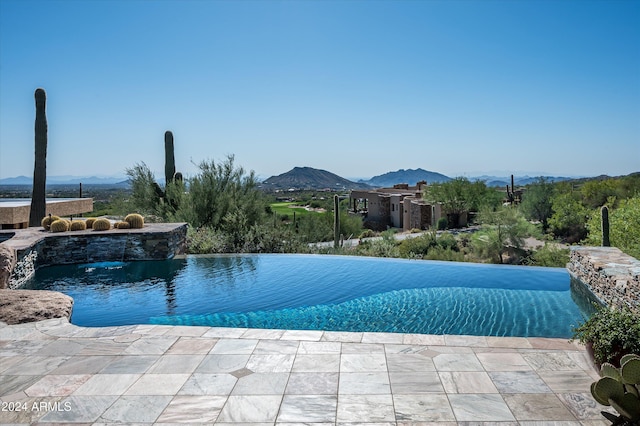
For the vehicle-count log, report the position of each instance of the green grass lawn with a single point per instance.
(283, 208)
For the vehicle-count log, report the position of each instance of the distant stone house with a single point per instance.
(399, 207)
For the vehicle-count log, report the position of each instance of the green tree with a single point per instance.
(222, 196)
(536, 202)
(503, 229)
(629, 186)
(596, 192)
(569, 217)
(145, 194)
(459, 195)
(624, 227)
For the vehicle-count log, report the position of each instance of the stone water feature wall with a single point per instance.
(32, 248)
(611, 275)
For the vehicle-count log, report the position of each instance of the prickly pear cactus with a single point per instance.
(620, 389)
(630, 371)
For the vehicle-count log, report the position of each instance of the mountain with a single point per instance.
(518, 180)
(65, 180)
(409, 176)
(310, 178)
(18, 180)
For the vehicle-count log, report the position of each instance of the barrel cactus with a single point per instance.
(135, 220)
(60, 225)
(89, 222)
(122, 225)
(619, 388)
(46, 221)
(78, 225)
(101, 224)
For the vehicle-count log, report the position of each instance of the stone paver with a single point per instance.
(53, 372)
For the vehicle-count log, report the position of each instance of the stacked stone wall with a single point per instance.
(153, 242)
(611, 275)
(420, 215)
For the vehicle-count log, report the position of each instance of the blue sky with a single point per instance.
(358, 88)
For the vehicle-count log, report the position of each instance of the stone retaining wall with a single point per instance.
(33, 248)
(611, 275)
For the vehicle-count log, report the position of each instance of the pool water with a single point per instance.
(314, 292)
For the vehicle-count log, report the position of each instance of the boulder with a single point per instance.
(7, 263)
(21, 306)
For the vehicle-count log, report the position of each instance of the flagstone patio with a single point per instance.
(52, 372)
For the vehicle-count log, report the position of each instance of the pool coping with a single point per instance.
(94, 375)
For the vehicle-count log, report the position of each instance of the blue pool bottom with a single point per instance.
(336, 293)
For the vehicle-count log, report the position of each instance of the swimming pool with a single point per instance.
(318, 292)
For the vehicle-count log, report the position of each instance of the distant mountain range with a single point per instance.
(66, 180)
(409, 176)
(310, 178)
(518, 180)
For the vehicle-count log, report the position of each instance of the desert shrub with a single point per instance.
(367, 233)
(549, 255)
(613, 332)
(267, 239)
(442, 253)
(418, 246)
(448, 242)
(206, 240)
(350, 224)
(624, 227)
(442, 224)
(384, 247)
(256, 239)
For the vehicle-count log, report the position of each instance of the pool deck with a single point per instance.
(53, 372)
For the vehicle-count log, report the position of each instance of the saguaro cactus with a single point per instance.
(336, 221)
(38, 201)
(604, 213)
(169, 158)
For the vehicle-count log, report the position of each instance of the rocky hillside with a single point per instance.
(409, 176)
(310, 178)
